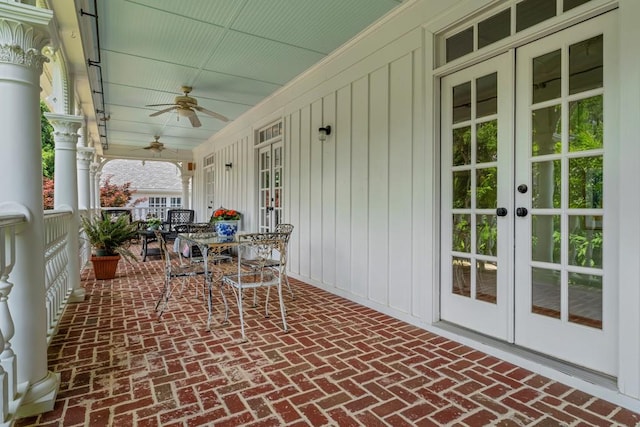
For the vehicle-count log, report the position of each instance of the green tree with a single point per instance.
(48, 146)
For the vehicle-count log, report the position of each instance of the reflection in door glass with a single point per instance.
(545, 238)
(585, 65)
(461, 284)
(585, 240)
(585, 124)
(487, 142)
(486, 235)
(461, 146)
(546, 125)
(585, 299)
(545, 292)
(546, 77)
(487, 188)
(487, 281)
(487, 95)
(462, 103)
(545, 183)
(462, 189)
(585, 182)
(461, 233)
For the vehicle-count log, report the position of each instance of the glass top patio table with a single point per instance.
(210, 243)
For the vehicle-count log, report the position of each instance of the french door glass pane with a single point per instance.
(545, 238)
(461, 283)
(461, 241)
(586, 124)
(487, 188)
(585, 241)
(585, 183)
(462, 103)
(547, 76)
(487, 95)
(547, 128)
(487, 142)
(486, 235)
(545, 188)
(461, 138)
(585, 65)
(545, 292)
(585, 299)
(462, 189)
(487, 281)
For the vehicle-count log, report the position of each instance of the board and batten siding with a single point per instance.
(356, 199)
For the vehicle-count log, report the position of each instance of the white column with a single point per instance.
(186, 200)
(23, 34)
(65, 196)
(93, 169)
(84, 157)
(96, 192)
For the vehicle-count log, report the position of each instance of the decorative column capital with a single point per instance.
(65, 128)
(24, 32)
(85, 154)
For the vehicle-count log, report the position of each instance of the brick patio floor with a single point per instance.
(341, 364)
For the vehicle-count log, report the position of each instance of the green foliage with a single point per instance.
(48, 145)
(111, 236)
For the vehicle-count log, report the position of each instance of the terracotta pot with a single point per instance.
(104, 267)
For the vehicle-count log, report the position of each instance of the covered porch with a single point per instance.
(340, 364)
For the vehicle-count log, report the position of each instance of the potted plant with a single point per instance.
(110, 240)
(153, 223)
(226, 222)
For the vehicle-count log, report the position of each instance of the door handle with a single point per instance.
(501, 211)
(522, 211)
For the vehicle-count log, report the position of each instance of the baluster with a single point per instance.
(7, 357)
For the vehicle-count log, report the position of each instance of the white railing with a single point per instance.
(9, 222)
(141, 213)
(57, 224)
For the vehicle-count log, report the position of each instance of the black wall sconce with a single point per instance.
(228, 166)
(323, 132)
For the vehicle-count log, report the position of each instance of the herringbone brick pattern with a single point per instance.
(341, 364)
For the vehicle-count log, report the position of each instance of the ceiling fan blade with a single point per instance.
(157, 105)
(157, 113)
(195, 122)
(211, 113)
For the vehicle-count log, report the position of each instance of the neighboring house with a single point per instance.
(158, 183)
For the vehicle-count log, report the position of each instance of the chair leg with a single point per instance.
(282, 309)
(286, 279)
(239, 297)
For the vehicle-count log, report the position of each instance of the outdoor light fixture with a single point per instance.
(228, 166)
(323, 132)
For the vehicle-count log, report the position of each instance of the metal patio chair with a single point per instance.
(261, 247)
(174, 270)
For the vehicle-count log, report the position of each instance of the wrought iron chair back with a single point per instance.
(177, 217)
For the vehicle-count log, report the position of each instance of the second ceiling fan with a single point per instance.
(187, 106)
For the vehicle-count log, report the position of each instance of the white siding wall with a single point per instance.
(355, 199)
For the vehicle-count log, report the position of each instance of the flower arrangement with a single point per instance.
(223, 214)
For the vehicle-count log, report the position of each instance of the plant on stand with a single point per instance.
(110, 240)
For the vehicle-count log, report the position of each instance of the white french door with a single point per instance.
(477, 154)
(270, 170)
(524, 194)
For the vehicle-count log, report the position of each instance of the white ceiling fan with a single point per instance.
(155, 146)
(187, 107)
